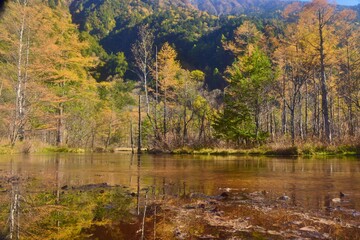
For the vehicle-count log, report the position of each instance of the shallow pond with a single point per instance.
(311, 184)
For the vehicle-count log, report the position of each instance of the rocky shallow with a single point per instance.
(254, 215)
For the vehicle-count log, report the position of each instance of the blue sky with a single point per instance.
(348, 2)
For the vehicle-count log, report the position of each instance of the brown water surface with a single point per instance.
(310, 183)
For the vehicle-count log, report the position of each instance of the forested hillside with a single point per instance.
(173, 74)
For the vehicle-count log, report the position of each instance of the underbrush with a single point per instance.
(277, 150)
(28, 147)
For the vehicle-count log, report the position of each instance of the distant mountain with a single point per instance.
(240, 6)
(220, 7)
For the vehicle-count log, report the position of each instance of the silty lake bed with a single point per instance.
(120, 196)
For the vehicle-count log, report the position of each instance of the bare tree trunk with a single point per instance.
(15, 212)
(284, 115)
(143, 220)
(272, 129)
(324, 90)
(315, 109)
(351, 126)
(306, 110)
(332, 114)
(319, 116)
(338, 117)
(157, 137)
(139, 125)
(60, 125)
(138, 184)
(202, 127)
(185, 125)
(257, 118)
(164, 117)
(275, 125)
(301, 130)
(57, 164)
(19, 110)
(292, 124)
(351, 122)
(108, 137)
(14, 218)
(142, 51)
(23, 109)
(132, 137)
(284, 119)
(146, 94)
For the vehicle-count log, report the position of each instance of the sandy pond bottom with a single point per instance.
(116, 196)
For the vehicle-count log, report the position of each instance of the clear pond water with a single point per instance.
(310, 183)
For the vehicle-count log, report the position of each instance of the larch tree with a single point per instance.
(16, 37)
(348, 85)
(325, 33)
(246, 37)
(188, 90)
(61, 67)
(296, 64)
(168, 68)
(316, 22)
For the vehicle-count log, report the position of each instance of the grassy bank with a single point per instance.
(266, 150)
(36, 147)
(304, 150)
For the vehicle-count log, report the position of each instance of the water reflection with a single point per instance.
(303, 177)
(310, 183)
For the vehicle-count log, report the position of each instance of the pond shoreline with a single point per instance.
(296, 151)
(276, 152)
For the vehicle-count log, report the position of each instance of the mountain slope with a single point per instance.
(219, 7)
(194, 27)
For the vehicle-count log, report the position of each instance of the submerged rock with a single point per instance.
(224, 195)
(308, 229)
(179, 235)
(13, 179)
(208, 237)
(284, 198)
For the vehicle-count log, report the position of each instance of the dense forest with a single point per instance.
(164, 75)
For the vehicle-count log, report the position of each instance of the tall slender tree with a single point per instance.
(316, 22)
(168, 70)
(142, 51)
